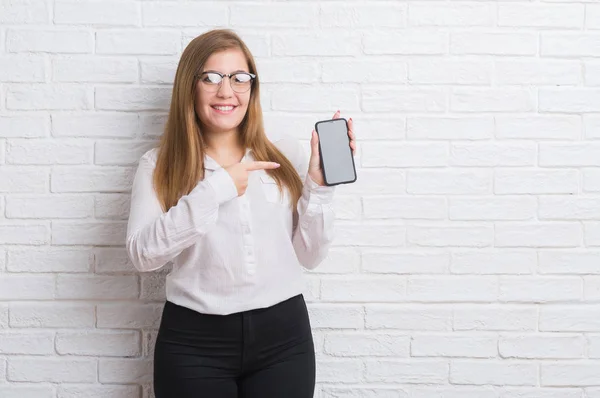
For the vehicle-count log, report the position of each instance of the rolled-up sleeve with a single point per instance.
(155, 237)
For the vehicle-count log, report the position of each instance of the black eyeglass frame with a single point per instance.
(229, 75)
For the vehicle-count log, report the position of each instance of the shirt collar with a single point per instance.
(211, 164)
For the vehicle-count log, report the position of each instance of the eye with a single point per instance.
(211, 78)
(242, 78)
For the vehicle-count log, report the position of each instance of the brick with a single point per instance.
(565, 16)
(24, 234)
(26, 343)
(372, 345)
(569, 374)
(570, 318)
(492, 262)
(112, 206)
(569, 262)
(449, 128)
(538, 127)
(405, 262)
(53, 370)
(569, 154)
(52, 315)
(51, 97)
(404, 154)
(404, 317)
(358, 71)
(121, 153)
(105, 125)
(23, 12)
(336, 316)
(105, 13)
(132, 98)
(49, 260)
(48, 206)
(453, 392)
(591, 180)
(97, 287)
(67, 41)
(158, 71)
(495, 317)
(120, 371)
(372, 288)
(339, 261)
(92, 179)
(363, 15)
(541, 346)
(547, 234)
(449, 235)
(339, 371)
(96, 69)
(543, 73)
(295, 98)
(456, 181)
(455, 345)
(493, 43)
(108, 260)
(48, 152)
(569, 208)
(403, 371)
(462, 15)
(482, 154)
(370, 235)
(494, 373)
(22, 390)
(540, 289)
(404, 100)
(129, 316)
(98, 391)
(184, 15)
(153, 287)
(569, 44)
(491, 100)
(16, 179)
(455, 72)
(407, 43)
(340, 44)
(103, 344)
(536, 181)
(261, 15)
(568, 100)
(452, 288)
(29, 126)
(22, 68)
(88, 233)
(140, 42)
(494, 208)
(370, 392)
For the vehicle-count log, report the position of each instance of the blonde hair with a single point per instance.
(180, 160)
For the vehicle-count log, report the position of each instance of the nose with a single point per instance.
(225, 90)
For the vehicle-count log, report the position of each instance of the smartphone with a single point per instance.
(337, 161)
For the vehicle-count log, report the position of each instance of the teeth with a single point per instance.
(223, 108)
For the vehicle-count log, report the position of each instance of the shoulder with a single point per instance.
(149, 158)
(292, 149)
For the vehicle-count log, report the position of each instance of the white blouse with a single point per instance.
(231, 253)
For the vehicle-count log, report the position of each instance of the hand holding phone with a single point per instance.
(335, 151)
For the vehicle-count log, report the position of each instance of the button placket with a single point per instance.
(247, 235)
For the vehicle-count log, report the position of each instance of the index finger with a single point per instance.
(258, 165)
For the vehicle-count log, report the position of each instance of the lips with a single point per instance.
(224, 108)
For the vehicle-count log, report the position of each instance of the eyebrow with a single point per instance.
(235, 71)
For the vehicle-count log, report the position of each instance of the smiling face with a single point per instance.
(222, 110)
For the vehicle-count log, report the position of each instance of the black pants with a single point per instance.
(263, 353)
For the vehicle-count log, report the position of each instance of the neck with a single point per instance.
(223, 144)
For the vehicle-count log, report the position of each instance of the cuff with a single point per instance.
(223, 186)
(318, 193)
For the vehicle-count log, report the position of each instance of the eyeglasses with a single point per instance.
(240, 81)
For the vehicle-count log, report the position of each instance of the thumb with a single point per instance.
(314, 143)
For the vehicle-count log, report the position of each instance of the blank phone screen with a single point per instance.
(336, 154)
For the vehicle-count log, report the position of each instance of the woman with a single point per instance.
(237, 215)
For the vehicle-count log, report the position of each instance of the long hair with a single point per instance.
(180, 161)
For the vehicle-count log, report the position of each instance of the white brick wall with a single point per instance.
(467, 257)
